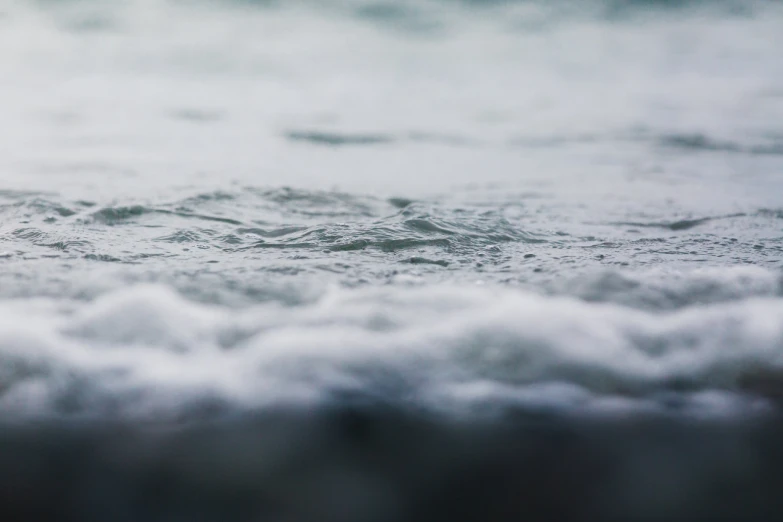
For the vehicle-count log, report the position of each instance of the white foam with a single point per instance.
(147, 352)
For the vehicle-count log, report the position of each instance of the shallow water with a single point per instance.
(497, 214)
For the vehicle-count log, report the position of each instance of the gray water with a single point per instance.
(457, 208)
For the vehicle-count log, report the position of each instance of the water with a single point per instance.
(363, 260)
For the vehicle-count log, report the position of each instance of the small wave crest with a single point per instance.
(668, 290)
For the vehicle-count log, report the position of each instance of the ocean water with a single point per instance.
(363, 260)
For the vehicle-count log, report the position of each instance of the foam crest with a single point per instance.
(147, 352)
(148, 316)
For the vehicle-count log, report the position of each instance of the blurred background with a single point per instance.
(152, 96)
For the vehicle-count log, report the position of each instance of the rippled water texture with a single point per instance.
(416, 260)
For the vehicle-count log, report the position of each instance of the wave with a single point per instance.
(282, 218)
(146, 352)
(445, 402)
(660, 290)
(237, 247)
